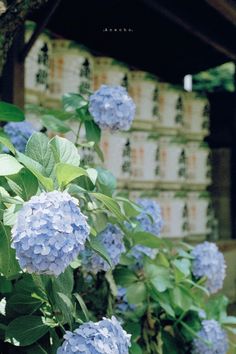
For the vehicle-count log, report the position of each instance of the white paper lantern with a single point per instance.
(174, 213)
(199, 213)
(117, 154)
(172, 160)
(108, 71)
(143, 88)
(145, 161)
(71, 69)
(37, 65)
(198, 159)
(170, 105)
(196, 115)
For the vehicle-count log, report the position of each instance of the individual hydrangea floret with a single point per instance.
(49, 233)
(103, 337)
(112, 240)
(19, 134)
(213, 334)
(150, 220)
(112, 108)
(122, 302)
(209, 262)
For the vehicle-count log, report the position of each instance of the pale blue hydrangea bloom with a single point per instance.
(49, 233)
(122, 302)
(209, 262)
(151, 224)
(103, 337)
(215, 335)
(19, 134)
(112, 240)
(112, 108)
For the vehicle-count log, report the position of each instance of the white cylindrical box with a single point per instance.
(71, 69)
(198, 159)
(108, 71)
(172, 160)
(196, 115)
(175, 214)
(170, 107)
(117, 154)
(37, 65)
(145, 159)
(200, 213)
(143, 88)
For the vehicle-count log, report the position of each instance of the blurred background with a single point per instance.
(177, 61)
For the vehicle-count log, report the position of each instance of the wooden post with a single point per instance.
(12, 80)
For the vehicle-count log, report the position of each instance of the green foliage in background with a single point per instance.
(220, 78)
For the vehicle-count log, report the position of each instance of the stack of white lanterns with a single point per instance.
(164, 156)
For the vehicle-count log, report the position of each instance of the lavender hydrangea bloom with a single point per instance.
(112, 108)
(154, 226)
(19, 134)
(209, 262)
(215, 335)
(49, 233)
(112, 240)
(122, 302)
(103, 337)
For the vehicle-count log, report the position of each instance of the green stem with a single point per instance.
(78, 133)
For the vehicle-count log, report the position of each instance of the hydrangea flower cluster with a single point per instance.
(49, 233)
(122, 302)
(211, 332)
(103, 337)
(19, 134)
(209, 262)
(112, 240)
(151, 224)
(151, 208)
(112, 108)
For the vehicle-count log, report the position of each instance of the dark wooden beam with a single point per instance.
(51, 8)
(226, 8)
(184, 22)
(11, 21)
(12, 79)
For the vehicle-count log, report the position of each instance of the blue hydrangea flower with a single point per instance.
(122, 302)
(209, 262)
(211, 332)
(112, 240)
(49, 233)
(103, 337)
(112, 108)
(19, 134)
(151, 224)
(150, 220)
